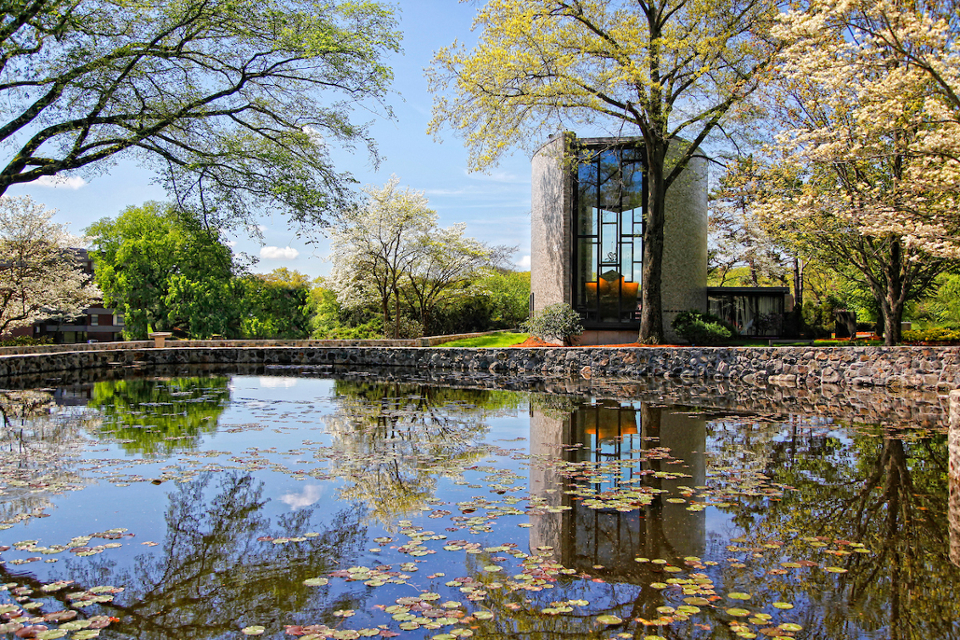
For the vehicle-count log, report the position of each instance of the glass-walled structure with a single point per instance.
(608, 245)
(588, 212)
(754, 311)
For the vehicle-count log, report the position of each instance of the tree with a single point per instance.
(330, 320)
(843, 188)
(742, 250)
(448, 264)
(40, 271)
(667, 69)
(376, 245)
(163, 269)
(237, 103)
(275, 305)
(897, 67)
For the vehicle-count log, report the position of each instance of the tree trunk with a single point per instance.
(651, 310)
(892, 300)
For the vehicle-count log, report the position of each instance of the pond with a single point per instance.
(286, 506)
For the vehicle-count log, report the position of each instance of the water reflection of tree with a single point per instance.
(40, 445)
(394, 440)
(213, 576)
(158, 417)
(888, 493)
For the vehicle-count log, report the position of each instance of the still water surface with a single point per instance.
(287, 507)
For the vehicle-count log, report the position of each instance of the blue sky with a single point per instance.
(495, 206)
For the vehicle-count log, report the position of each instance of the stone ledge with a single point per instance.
(893, 367)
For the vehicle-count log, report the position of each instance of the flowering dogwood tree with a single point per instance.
(392, 248)
(867, 168)
(40, 273)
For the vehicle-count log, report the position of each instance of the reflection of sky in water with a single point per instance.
(311, 494)
(309, 462)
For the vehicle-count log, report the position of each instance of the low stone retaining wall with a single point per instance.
(893, 367)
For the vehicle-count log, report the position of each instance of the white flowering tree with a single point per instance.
(40, 274)
(374, 246)
(391, 250)
(867, 167)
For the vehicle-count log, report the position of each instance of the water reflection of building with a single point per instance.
(584, 538)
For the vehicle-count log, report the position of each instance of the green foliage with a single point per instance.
(161, 267)
(942, 307)
(497, 300)
(508, 295)
(402, 327)
(25, 341)
(937, 334)
(555, 322)
(276, 305)
(236, 103)
(701, 328)
(329, 320)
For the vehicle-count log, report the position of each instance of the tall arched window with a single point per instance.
(608, 247)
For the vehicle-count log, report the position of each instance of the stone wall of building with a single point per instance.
(892, 367)
(684, 280)
(550, 219)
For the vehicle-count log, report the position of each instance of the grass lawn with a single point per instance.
(499, 339)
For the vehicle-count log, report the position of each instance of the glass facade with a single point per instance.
(608, 247)
(753, 311)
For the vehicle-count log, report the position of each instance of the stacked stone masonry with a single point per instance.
(892, 367)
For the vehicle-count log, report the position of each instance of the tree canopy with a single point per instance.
(164, 270)
(237, 103)
(860, 177)
(670, 71)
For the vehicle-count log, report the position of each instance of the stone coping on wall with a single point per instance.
(893, 367)
(429, 341)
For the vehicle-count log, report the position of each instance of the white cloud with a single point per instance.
(523, 262)
(279, 253)
(60, 182)
(230, 243)
(310, 495)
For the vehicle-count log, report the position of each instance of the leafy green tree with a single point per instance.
(665, 70)
(162, 268)
(943, 307)
(499, 299)
(448, 263)
(237, 103)
(275, 305)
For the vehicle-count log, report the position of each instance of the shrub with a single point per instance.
(555, 322)
(936, 334)
(409, 328)
(25, 341)
(701, 328)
